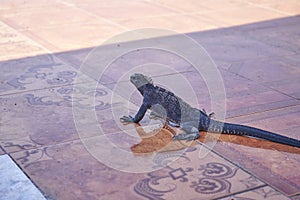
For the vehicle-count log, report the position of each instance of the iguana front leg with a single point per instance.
(192, 133)
(138, 117)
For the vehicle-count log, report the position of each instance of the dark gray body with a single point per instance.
(166, 105)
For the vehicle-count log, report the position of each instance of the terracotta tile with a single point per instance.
(151, 62)
(223, 5)
(287, 86)
(1, 151)
(74, 57)
(126, 10)
(178, 23)
(243, 15)
(233, 45)
(286, 40)
(54, 109)
(266, 70)
(266, 2)
(33, 119)
(261, 193)
(81, 176)
(74, 36)
(68, 171)
(43, 17)
(182, 6)
(44, 71)
(190, 176)
(275, 120)
(279, 170)
(15, 45)
(290, 7)
(201, 7)
(21, 4)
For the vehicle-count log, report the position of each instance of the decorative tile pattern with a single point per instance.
(68, 171)
(31, 73)
(192, 177)
(258, 61)
(279, 170)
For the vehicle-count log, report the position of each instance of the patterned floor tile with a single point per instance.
(279, 170)
(59, 114)
(68, 171)
(39, 72)
(34, 118)
(261, 193)
(14, 184)
(195, 177)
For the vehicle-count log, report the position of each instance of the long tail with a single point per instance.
(237, 129)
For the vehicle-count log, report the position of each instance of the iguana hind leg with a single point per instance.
(192, 133)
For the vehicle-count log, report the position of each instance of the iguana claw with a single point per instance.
(127, 119)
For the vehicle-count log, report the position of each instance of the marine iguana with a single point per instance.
(166, 105)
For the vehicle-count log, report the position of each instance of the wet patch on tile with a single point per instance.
(260, 193)
(14, 184)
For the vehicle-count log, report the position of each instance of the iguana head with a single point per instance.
(139, 80)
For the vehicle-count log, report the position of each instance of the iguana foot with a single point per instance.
(127, 119)
(188, 137)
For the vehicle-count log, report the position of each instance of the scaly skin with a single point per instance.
(166, 105)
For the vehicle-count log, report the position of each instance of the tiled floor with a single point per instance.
(59, 117)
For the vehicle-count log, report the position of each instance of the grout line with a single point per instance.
(240, 167)
(266, 7)
(233, 163)
(4, 151)
(93, 15)
(241, 192)
(264, 111)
